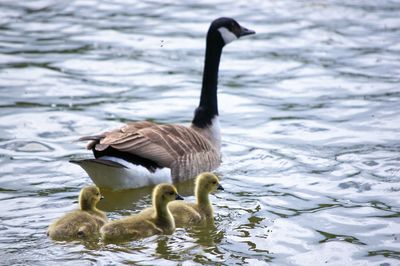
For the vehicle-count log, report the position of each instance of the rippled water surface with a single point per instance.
(310, 119)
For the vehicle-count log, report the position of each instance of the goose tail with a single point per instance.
(85, 138)
(98, 161)
(93, 140)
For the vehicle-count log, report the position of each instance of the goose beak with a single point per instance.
(244, 31)
(220, 187)
(178, 197)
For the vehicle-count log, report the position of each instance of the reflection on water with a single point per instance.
(309, 114)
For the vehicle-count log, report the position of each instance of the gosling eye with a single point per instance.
(97, 194)
(172, 193)
(215, 182)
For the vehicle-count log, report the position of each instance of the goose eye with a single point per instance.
(233, 25)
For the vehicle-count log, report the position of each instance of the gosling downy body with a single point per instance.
(82, 223)
(145, 224)
(186, 213)
(145, 153)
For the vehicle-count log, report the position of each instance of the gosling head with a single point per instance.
(208, 182)
(227, 29)
(89, 197)
(165, 193)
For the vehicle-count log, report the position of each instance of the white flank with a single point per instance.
(134, 176)
(227, 35)
(216, 131)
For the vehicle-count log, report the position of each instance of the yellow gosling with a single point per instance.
(186, 213)
(82, 223)
(147, 223)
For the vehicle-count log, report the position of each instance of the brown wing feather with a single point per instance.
(180, 148)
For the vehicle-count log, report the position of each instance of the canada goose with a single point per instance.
(144, 153)
(81, 223)
(144, 224)
(186, 213)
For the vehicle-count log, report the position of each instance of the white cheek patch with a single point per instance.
(227, 35)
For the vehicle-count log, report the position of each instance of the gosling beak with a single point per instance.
(178, 197)
(102, 197)
(220, 187)
(244, 31)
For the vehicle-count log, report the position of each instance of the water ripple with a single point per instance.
(309, 115)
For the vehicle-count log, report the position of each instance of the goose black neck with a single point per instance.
(208, 107)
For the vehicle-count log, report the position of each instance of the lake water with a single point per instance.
(310, 119)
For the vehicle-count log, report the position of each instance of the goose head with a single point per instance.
(164, 193)
(227, 30)
(207, 182)
(89, 197)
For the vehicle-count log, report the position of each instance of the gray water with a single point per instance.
(309, 114)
